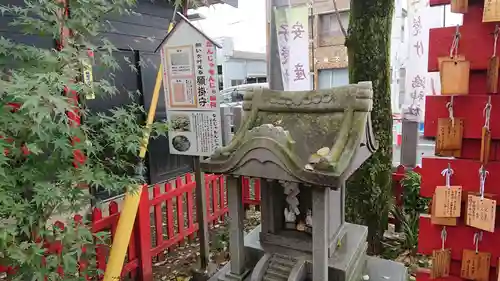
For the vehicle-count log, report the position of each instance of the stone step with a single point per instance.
(272, 278)
(276, 274)
(280, 268)
(283, 260)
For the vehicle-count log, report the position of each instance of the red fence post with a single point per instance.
(143, 222)
(398, 191)
(256, 184)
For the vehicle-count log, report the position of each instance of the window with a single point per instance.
(236, 82)
(251, 80)
(329, 78)
(329, 25)
(219, 69)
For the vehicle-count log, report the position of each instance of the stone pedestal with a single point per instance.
(349, 262)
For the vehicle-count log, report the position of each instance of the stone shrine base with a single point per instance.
(349, 263)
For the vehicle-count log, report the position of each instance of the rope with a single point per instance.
(454, 44)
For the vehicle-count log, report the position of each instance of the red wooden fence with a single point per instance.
(398, 190)
(166, 219)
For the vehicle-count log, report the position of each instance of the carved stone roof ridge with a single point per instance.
(316, 137)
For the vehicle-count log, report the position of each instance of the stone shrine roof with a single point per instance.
(315, 137)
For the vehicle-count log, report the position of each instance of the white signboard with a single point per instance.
(191, 96)
(292, 28)
(419, 82)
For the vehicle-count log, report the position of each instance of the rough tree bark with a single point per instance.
(368, 43)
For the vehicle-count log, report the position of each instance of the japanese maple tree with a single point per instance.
(48, 160)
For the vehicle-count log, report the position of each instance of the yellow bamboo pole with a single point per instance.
(131, 202)
(132, 199)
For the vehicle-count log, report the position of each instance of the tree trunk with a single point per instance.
(368, 43)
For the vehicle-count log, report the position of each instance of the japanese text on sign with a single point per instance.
(292, 27)
(191, 91)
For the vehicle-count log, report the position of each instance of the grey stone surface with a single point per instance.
(290, 127)
(384, 270)
(320, 245)
(303, 145)
(236, 215)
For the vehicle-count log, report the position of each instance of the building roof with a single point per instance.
(249, 55)
(316, 137)
(184, 19)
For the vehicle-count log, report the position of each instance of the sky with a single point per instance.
(247, 23)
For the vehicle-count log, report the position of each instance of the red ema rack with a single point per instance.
(476, 45)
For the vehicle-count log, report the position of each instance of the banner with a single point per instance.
(292, 28)
(419, 82)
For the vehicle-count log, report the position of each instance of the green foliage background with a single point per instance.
(36, 186)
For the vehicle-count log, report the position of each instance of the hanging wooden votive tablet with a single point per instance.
(498, 269)
(481, 213)
(441, 263)
(448, 201)
(475, 265)
(492, 75)
(449, 137)
(454, 74)
(491, 11)
(459, 6)
(485, 145)
(440, 220)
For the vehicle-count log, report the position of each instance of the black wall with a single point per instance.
(137, 36)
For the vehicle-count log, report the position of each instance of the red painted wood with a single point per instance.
(113, 209)
(100, 248)
(180, 210)
(438, 2)
(454, 272)
(476, 42)
(466, 174)
(470, 108)
(143, 223)
(222, 197)
(170, 213)
(190, 205)
(257, 188)
(158, 221)
(215, 206)
(459, 237)
(246, 188)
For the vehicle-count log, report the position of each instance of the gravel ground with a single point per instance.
(178, 263)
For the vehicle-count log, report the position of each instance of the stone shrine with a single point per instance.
(303, 146)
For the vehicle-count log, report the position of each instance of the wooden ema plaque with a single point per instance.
(498, 269)
(438, 220)
(475, 266)
(492, 75)
(441, 260)
(491, 11)
(454, 75)
(459, 6)
(448, 201)
(449, 137)
(485, 146)
(481, 213)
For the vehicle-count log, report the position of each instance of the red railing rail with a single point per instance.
(167, 218)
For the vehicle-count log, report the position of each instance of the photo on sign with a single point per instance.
(180, 61)
(180, 122)
(179, 90)
(181, 143)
